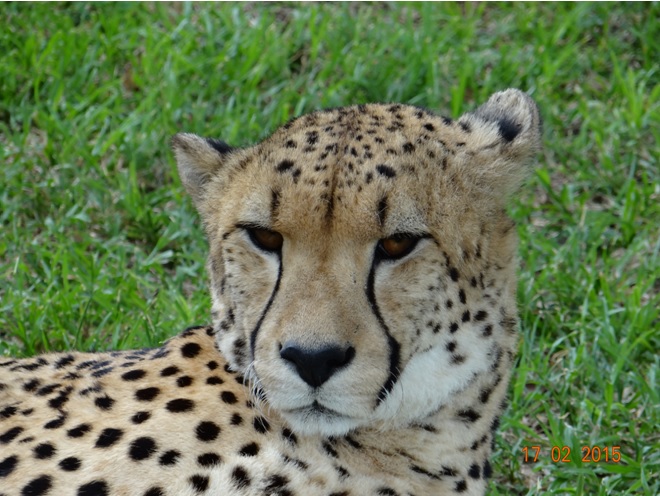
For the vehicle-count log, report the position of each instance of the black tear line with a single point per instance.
(255, 331)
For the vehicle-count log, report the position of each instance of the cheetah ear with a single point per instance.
(508, 130)
(198, 160)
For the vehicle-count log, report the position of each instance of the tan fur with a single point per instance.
(426, 341)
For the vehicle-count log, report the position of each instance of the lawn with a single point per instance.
(100, 248)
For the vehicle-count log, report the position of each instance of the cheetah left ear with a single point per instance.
(507, 129)
(198, 160)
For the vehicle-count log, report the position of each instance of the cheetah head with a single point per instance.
(361, 260)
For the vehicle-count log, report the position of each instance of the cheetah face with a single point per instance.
(361, 262)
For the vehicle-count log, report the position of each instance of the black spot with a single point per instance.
(56, 423)
(169, 458)
(79, 431)
(44, 451)
(214, 380)
(285, 165)
(147, 394)
(236, 419)
(240, 477)
(408, 147)
(105, 371)
(488, 470)
(481, 315)
(327, 447)
(142, 448)
(184, 381)
(484, 395)
(37, 486)
(453, 273)
(251, 449)
(8, 412)
(108, 437)
(199, 483)
(207, 431)
(168, 371)
(208, 459)
(446, 120)
(429, 127)
(465, 127)
(154, 491)
(180, 405)
(276, 482)
(466, 316)
(70, 464)
(10, 435)
(7, 465)
(475, 471)
(104, 402)
(228, 397)
(355, 444)
(46, 390)
(488, 330)
(508, 129)
(212, 365)
(386, 491)
(385, 170)
(57, 402)
(495, 424)
(451, 346)
(140, 417)
(290, 144)
(261, 425)
(133, 375)
(64, 361)
(219, 146)
(461, 296)
(312, 137)
(190, 350)
(369, 177)
(95, 488)
(461, 486)
(453, 327)
(289, 436)
(469, 415)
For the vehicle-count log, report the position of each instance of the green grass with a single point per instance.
(100, 249)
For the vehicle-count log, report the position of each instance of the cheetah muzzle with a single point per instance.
(362, 274)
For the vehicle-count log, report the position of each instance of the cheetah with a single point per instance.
(364, 323)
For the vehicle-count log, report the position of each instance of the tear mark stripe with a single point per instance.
(255, 331)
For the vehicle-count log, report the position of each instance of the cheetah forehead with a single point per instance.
(379, 165)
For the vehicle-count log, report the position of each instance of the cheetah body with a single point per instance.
(362, 272)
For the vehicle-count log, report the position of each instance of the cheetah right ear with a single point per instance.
(508, 127)
(198, 160)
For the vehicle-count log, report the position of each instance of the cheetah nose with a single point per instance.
(315, 366)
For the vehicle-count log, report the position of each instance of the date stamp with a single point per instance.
(562, 454)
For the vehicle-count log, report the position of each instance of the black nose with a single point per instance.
(315, 366)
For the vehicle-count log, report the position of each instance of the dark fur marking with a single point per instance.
(219, 146)
(284, 165)
(382, 210)
(508, 129)
(395, 347)
(385, 170)
(255, 331)
(274, 204)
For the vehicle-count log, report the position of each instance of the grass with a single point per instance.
(99, 248)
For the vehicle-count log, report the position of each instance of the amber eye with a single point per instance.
(397, 246)
(266, 239)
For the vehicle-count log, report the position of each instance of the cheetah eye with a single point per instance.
(397, 246)
(265, 239)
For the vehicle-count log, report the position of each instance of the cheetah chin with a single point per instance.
(364, 323)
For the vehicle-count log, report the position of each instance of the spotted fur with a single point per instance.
(362, 272)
